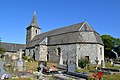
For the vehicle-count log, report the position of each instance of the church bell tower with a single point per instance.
(33, 29)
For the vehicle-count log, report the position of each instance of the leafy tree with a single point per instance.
(108, 44)
(111, 43)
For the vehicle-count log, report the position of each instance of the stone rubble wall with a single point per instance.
(91, 50)
(68, 52)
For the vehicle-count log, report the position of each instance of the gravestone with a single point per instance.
(40, 76)
(102, 64)
(111, 62)
(61, 60)
(19, 65)
(71, 67)
(96, 62)
(20, 62)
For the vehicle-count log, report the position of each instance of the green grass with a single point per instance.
(105, 77)
(51, 64)
(108, 65)
(31, 66)
(21, 79)
(91, 67)
(111, 77)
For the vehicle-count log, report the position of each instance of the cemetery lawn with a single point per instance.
(51, 64)
(20, 79)
(31, 66)
(111, 77)
(86, 70)
(104, 77)
(108, 65)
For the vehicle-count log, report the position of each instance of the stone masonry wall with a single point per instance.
(68, 52)
(91, 50)
(43, 53)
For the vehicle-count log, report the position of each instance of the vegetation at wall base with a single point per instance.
(83, 62)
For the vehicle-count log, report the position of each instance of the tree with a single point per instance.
(108, 44)
(111, 43)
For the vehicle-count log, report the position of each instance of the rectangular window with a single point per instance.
(100, 51)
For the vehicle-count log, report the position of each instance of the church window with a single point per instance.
(87, 58)
(59, 51)
(48, 57)
(85, 28)
(33, 54)
(100, 51)
(36, 31)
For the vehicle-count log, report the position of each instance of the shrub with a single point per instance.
(30, 59)
(83, 62)
(25, 57)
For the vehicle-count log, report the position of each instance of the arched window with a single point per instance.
(59, 51)
(36, 31)
(34, 54)
(100, 51)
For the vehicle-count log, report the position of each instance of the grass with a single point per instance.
(105, 77)
(51, 64)
(111, 77)
(91, 67)
(108, 65)
(21, 79)
(31, 65)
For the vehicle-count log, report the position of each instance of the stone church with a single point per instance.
(64, 45)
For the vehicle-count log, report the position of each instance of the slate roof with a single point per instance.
(68, 34)
(34, 22)
(12, 47)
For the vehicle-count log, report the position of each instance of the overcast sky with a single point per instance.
(16, 15)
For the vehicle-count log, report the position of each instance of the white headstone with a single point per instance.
(61, 60)
(20, 63)
(111, 61)
(20, 54)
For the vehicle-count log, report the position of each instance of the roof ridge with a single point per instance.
(63, 27)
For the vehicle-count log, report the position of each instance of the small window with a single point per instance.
(87, 58)
(85, 28)
(100, 51)
(36, 31)
(48, 57)
(59, 51)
